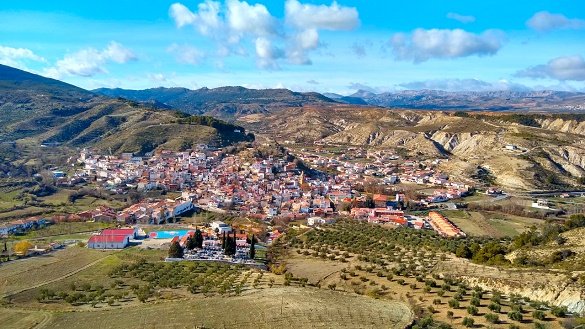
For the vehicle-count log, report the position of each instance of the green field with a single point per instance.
(28, 273)
(485, 223)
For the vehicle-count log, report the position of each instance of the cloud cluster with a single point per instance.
(15, 56)
(234, 22)
(422, 45)
(544, 21)
(90, 61)
(465, 19)
(561, 68)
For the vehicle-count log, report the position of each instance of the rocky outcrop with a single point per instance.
(557, 294)
(562, 125)
(555, 287)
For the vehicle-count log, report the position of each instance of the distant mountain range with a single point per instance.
(223, 102)
(234, 102)
(547, 101)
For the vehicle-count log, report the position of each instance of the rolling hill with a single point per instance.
(41, 110)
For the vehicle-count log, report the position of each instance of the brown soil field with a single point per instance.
(284, 308)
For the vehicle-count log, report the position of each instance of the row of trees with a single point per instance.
(228, 244)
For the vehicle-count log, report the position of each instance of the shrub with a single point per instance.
(559, 311)
(472, 310)
(538, 315)
(515, 315)
(475, 301)
(492, 318)
(453, 303)
(468, 322)
(495, 307)
(539, 325)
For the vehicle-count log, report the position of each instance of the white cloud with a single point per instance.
(208, 20)
(90, 61)
(422, 45)
(465, 19)
(186, 54)
(267, 53)
(234, 23)
(254, 20)
(117, 53)
(15, 56)
(307, 19)
(560, 68)
(544, 21)
(333, 17)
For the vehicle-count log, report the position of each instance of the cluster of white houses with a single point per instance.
(22, 225)
(387, 166)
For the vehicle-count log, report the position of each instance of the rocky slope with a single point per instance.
(556, 287)
(550, 152)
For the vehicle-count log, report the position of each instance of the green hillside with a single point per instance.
(37, 110)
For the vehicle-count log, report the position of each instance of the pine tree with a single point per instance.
(198, 239)
(175, 251)
(252, 247)
(230, 245)
(190, 243)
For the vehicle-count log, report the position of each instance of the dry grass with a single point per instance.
(313, 269)
(13, 319)
(268, 308)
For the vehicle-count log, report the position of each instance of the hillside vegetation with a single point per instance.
(38, 110)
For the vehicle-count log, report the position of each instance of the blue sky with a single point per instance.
(302, 45)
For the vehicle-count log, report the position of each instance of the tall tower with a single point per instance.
(302, 179)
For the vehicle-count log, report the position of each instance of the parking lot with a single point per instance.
(215, 253)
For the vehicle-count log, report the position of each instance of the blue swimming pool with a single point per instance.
(168, 234)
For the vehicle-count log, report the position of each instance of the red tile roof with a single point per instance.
(107, 238)
(119, 231)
